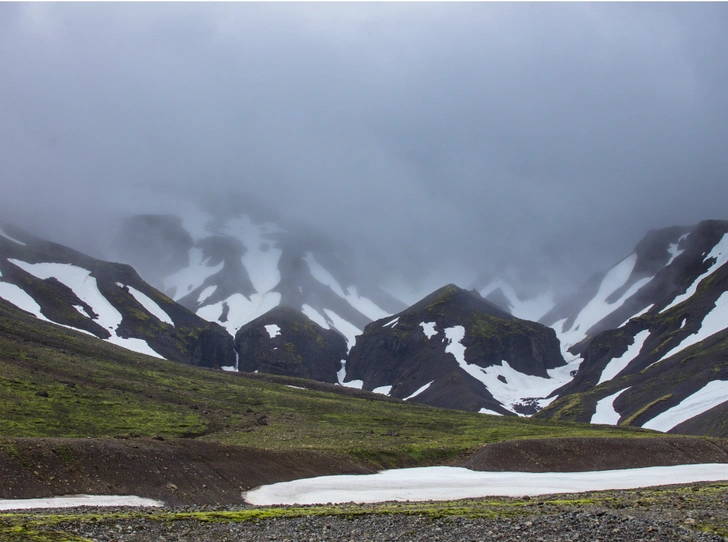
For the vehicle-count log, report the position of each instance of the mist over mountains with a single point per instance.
(439, 143)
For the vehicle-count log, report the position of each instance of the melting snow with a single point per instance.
(73, 501)
(450, 483)
(419, 390)
(229, 368)
(206, 292)
(640, 313)
(711, 395)
(604, 412)
(716, 320)
(615, 366)
(261, 265)
(84, 286)
(428, 328)
(241, 309)
(315, 315)
(362, 304)
(383, 390)
(530, 309)
(517, 386)
(391, 322)
(149, 304)
(13, 239)
(347, 329)
(490, 412)
(191, 277)
(720, 253)
(598, 308)
(18, 297)
(273, 330)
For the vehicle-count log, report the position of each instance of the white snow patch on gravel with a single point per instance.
(615, 366)
(604, 413)
(418, 391)
(711, 395)
(273, 330)
(73, 501)
(450, 483)
(428, 328)
(720, 253)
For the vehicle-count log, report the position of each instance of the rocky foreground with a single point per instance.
(695, 512)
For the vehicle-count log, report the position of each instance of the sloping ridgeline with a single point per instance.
(107, 300)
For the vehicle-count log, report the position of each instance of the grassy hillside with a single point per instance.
(57, 382)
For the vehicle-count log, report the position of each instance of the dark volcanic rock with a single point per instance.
(291, 345)
(400, 354)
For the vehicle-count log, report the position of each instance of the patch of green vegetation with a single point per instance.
(633, 417)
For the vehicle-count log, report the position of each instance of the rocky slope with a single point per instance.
(285, 342)
(107, 300)
(454, 349)
(664, 365)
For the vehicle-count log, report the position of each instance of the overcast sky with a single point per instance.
(446, 136)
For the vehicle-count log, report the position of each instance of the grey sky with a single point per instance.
(443, 136)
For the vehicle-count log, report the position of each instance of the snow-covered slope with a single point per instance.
(109, 301)
(664, 366)
(233, 269)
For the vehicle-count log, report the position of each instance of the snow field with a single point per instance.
(149, 304)
(191, 277)
(315, 315)
(18, 297)
(241, 309)
(711, 395)
(273, 330)
(531, 309)
(347, 329)
(72, 501)
(450, 483)
(604, 413)
(261, 263)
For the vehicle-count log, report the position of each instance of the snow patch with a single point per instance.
(713, 322)
(315, 315)
(640, 313)
(711, 395)
(347, 329)
(241, 309)
(428, 328)
(85, 287)
(418, 391)
(191, 277)
(450, 483)
(20, 298)
(365, 306)
(151, 306)
(9, 238)
(530, 309)
(73, 501)
(604, 413)
(229, 368)
(490, 412)
(273, 330)
(383, 390)
(617, 365)
(720, 253)
(206, 292)
(261, 265)
(391, 322)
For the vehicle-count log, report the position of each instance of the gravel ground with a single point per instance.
(617, 516)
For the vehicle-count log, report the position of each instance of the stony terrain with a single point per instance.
(697, 512)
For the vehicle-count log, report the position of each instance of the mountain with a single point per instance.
(454, 349)
(231, 270)
(107, 300)
(284, 341)
(664, 363)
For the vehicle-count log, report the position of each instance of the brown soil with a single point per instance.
(192, 472)
(176, 471)
(587, 454)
